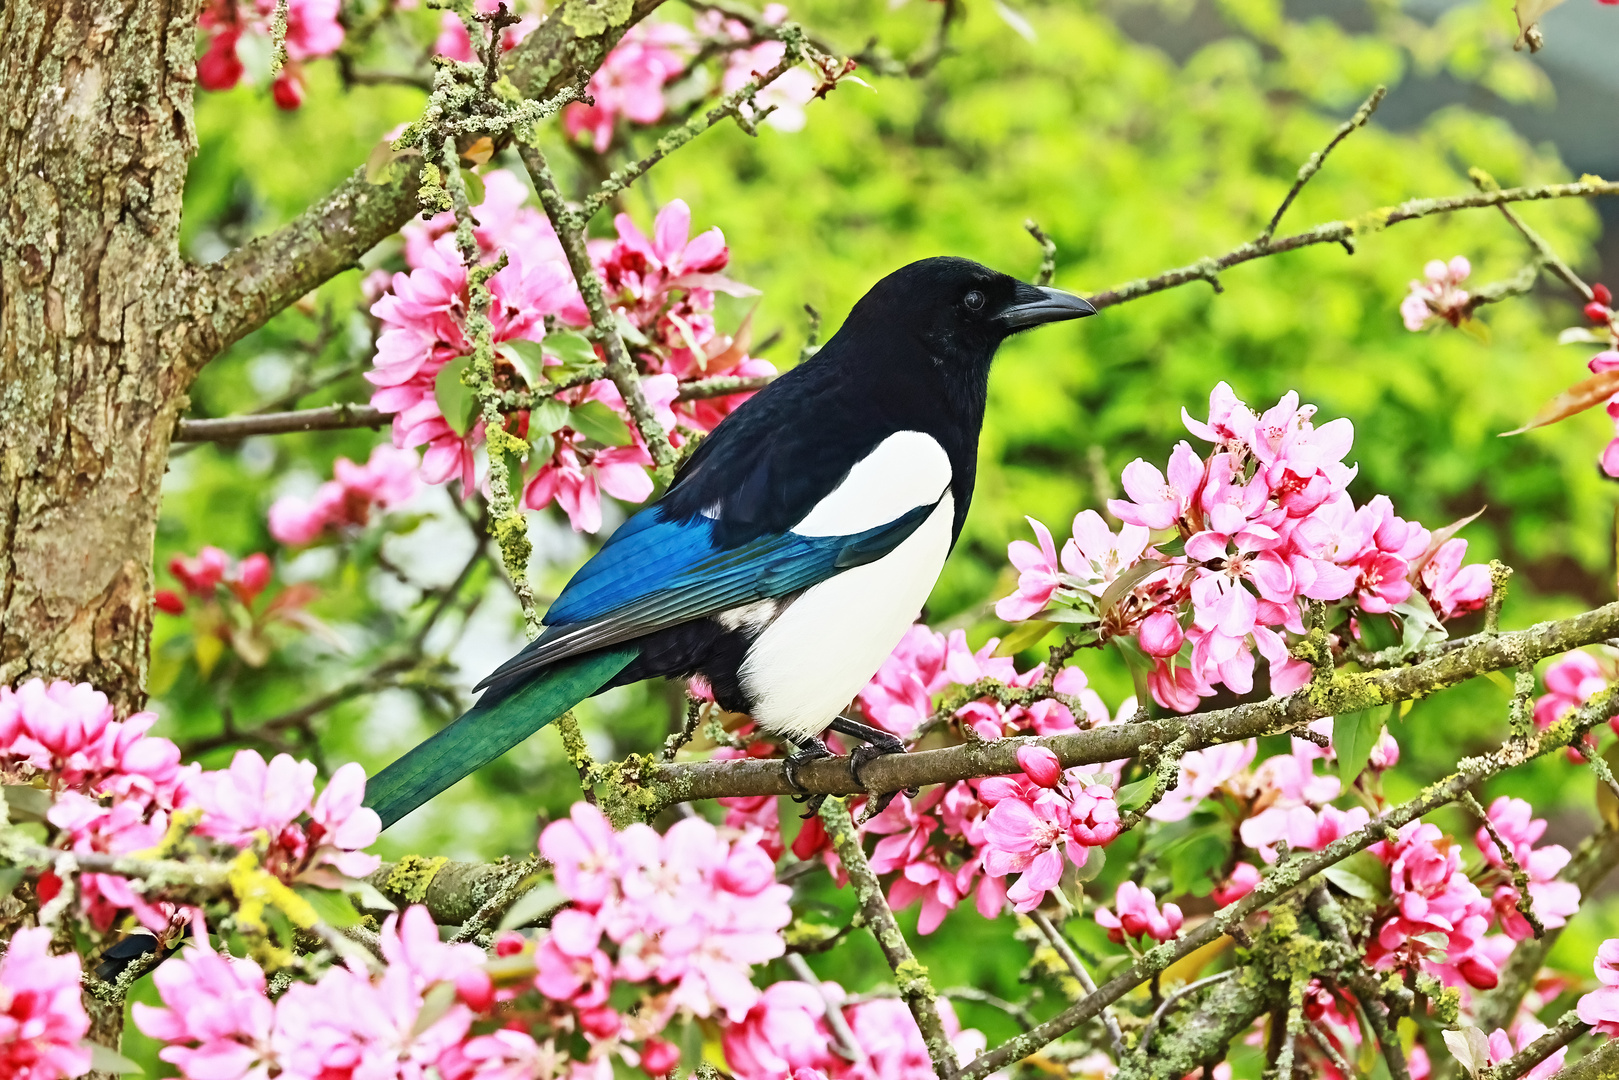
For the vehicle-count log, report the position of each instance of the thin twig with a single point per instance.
(1144, 1041)
(1317, 159)
(1520, 880)
(844, 1044)
(1048, 253)
(325, 418)
(1548, 255)
(909, 975)
(621, 368)
(1337, 232)
(1059, 941)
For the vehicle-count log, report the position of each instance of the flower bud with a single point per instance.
(1597, 313)
(659, 1057)
(1039, 765)
(1385, 754)
(252, 576)
(168, 601)
(1161, 634)
(475, 989)
(509, 944)
(1600, 293)
(602, 1021)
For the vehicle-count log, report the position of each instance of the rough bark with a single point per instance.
(93, 159)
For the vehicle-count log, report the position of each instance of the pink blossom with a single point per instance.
(67, 729)
(784, 1031)
(253, 795)
(1600, 1008)
(453, 40)
(386, 479)
(1159, 503)
(216, 1017)
(123, 828)
(1571, 680)
(1433, 895)
(689, 909)
(1202, 772)
(42, 1021)
(1241, 881)
(1455, 589)
(1439, 295)
(1501, 1048)
(630, 82)
(502, 1054)
(423, 330)
(341, 826)
(202, 574)
(1302, 828)
(1138, 915)
(1553, 900)
(1037, 569)
(313, 30)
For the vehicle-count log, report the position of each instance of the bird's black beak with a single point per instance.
(1036, 304)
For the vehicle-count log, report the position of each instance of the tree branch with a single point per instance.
(337, 417)
(1342, 691)
(240, 292)
(909, 975)
(1337, 232)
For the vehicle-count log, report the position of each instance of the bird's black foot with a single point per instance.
(812, 750)
(878, 743)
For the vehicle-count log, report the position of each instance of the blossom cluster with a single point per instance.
(1223, 555)
(313, 30)
(1439, 296)
(786, 1034)
(387, 479)
(115, 789)
(663, 286)
(223, 599)
(42, 1021)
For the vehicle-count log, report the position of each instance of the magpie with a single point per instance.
(792, 550)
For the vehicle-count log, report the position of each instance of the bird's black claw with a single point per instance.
(812, 804)
(814, 750)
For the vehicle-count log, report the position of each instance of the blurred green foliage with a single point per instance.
(1134, 163)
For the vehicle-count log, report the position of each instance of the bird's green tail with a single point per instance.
(480, 735)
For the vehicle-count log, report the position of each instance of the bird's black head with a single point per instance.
(959, 311)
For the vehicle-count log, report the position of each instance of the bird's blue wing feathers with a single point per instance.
(653, 573)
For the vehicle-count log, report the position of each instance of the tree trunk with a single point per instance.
(93, 153)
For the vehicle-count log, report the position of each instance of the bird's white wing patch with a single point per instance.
(825, 645)
(906, 470)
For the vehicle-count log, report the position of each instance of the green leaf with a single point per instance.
(106, 1059)
(1362, 875)
(1095, 863)
(1134, 796)
(541, 449)
(541, 900)
(1353, 736)
(10, 878)
(455, 398)
(597, 421)
(628, 330)
(545, 417)
(474, 187)
(367, 897)
(26, 803)
(1126, 581)
(1024, 636)
(334, 908)
(528, 357)
(572, 348)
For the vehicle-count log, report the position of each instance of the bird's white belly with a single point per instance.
(818, 653)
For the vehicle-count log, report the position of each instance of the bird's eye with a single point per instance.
(974, 300)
